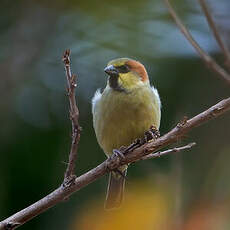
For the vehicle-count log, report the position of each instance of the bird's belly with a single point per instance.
(122, 121)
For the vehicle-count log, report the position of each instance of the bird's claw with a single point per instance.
(151, 135)
(119, 154)
(115, 158)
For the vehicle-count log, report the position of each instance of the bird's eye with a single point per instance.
(123, 69)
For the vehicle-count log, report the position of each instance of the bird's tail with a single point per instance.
(115, 189)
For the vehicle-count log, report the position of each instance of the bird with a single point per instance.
(126, 108)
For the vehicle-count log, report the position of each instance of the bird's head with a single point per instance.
(126, 74)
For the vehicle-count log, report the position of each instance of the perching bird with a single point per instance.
(126, 108)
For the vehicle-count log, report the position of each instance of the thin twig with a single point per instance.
(168, 151)
(113, 162)
(74, 115)
(221, 73)
(215, 31)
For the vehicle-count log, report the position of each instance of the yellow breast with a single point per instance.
(120, 118)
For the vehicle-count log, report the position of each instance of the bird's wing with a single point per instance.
(157, 95)
(96, 98)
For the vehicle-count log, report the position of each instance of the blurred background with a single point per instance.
(189, 190)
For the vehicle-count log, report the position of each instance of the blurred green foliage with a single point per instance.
(35, 129)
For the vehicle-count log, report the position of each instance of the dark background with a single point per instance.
(35, 129)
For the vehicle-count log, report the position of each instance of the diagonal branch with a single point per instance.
(113, 162)
(214, 29)
(180, 130)
(208, 60)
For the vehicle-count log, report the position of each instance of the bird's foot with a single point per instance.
(115, 159)
(131, 147)
(151, 135)
(119, 153)
(112, 162)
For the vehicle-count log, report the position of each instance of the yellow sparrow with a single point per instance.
(126, 108)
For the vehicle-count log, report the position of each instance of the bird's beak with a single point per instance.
(111, 70)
